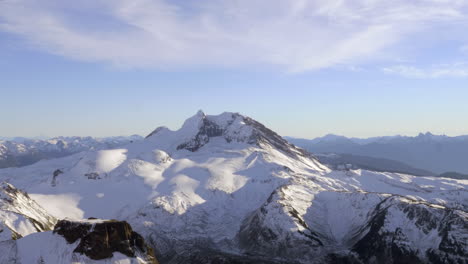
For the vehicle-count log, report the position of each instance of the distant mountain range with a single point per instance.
(349, 161)
(424, 154)
(19, 151)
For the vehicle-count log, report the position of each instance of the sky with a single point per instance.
(357, 68)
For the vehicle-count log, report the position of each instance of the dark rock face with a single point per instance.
(93, 176)
(207, 130)
(451, 248)
(384, 247)
(341, 259)
(100, 239)
(382, 244)
(397, 230)
(257, 237)
(207, 256)
(56, 173)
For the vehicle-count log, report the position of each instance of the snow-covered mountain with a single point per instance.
(434, 153)
(225, 188)
(17, 152)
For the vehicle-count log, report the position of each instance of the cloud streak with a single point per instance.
(295, 35)
(455, 70)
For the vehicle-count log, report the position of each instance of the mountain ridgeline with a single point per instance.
(226, 189)
(18, 152)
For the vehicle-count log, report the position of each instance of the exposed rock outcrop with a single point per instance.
(55, 174)
(425, 233)
(100, 239)
(208, 129)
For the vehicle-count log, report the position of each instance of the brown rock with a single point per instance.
(99, 239)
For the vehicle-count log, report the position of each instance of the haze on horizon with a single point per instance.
(303, 68)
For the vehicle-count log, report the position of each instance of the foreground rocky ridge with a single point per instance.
(98, 239)
(20, 215)
(86, 241)
(226, 189)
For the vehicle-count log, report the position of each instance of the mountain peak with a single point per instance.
(199, 129)
(200, 113)
(333, 137)
(427, 134)
(193, 124)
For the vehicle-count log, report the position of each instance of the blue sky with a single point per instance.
(304, 68)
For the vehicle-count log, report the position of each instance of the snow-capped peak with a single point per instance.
(199, 129)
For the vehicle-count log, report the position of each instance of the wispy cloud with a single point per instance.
(296, 35)
(464, 49)
(457, 70)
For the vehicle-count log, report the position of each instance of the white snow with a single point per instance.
(60, 205)
(181, 195)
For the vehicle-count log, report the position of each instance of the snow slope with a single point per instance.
(229, 186)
